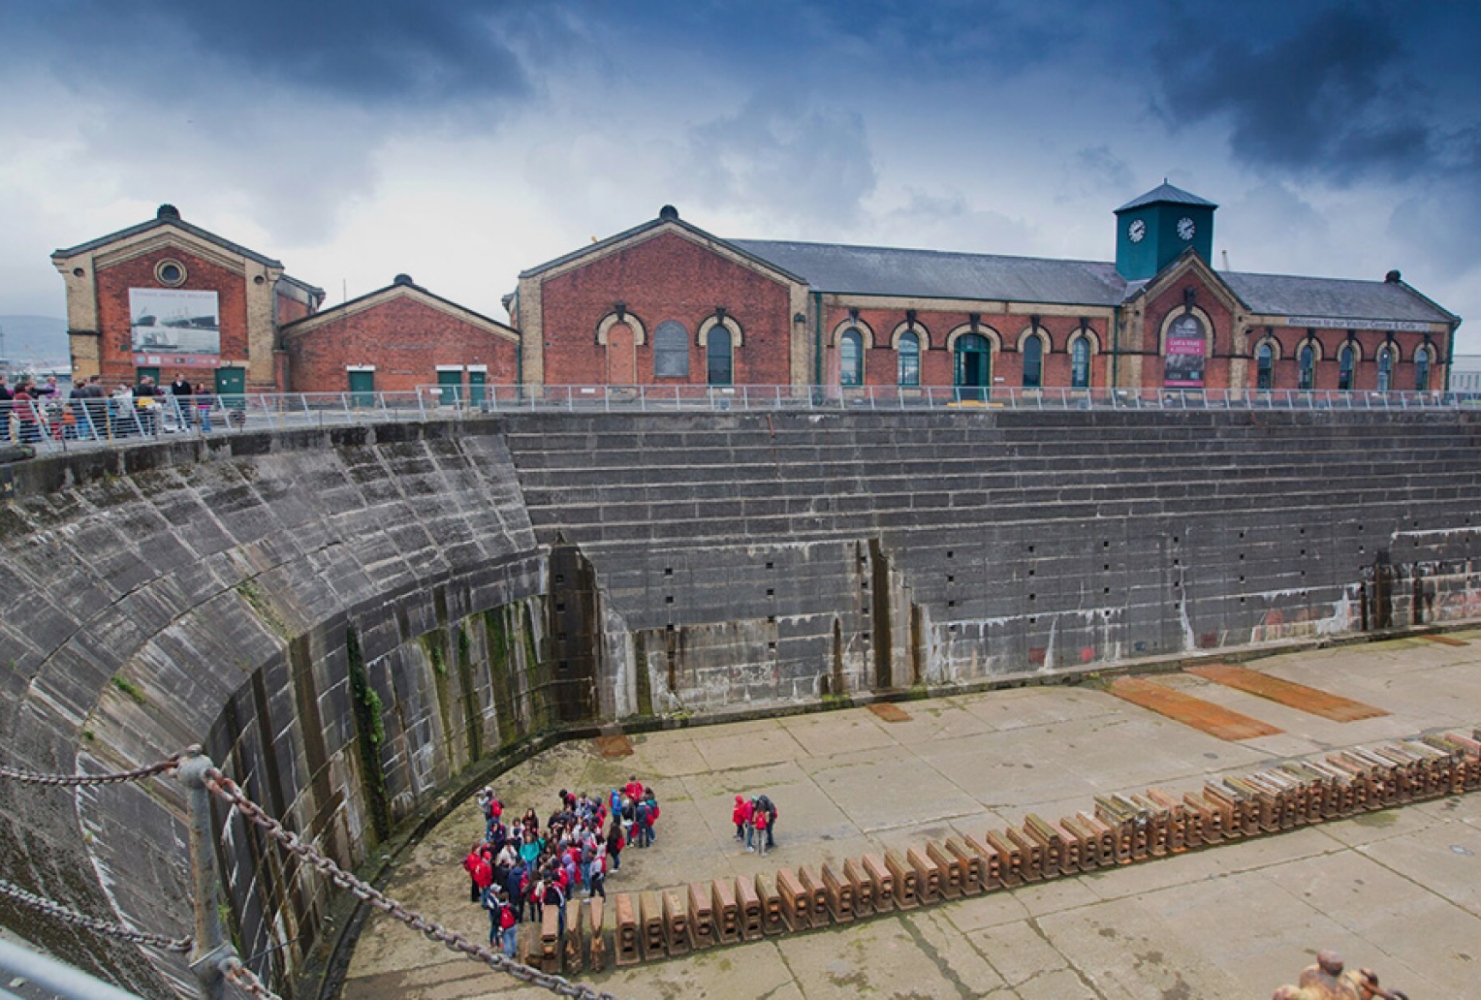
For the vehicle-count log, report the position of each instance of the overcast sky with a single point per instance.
(462, 142)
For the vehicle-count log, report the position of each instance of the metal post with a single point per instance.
(210, 945)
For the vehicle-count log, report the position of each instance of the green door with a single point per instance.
(362, 388)
(476, 382)
(141, 373)
(231, 381)
(451, 384)
(973, 366)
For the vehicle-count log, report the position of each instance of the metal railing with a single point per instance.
(61, 425)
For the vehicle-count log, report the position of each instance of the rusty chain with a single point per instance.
(43, 905)
(245, 980)
(113, 778)
(228, 791)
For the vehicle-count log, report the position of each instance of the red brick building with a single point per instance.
(167, 296)
(667, 303)
(397, 339)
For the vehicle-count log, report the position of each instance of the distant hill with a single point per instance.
(34, 341)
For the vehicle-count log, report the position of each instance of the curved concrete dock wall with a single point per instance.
(346, 620)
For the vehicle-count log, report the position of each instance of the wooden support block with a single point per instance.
(1031, 851)
(1177, 819)
(838, 895)
(972, 866)
(904, 879)
(771, 906)
(1086, 838)
(550, 956)
(855, 875)
(796, 901)
(1105, 839)
(527, 942)
(727, 911)
(992, 862)
(1050, 842)
(883, 882)
(650, 914)
(817, 896)
(701, 915)
(1010, 858)
(676, 922)
(928, 876)
(596, 922)
(752, 915)
(626, 934)
(951, 869)
(1157, 822)
(575, 943)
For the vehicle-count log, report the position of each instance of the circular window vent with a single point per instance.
(170, 272)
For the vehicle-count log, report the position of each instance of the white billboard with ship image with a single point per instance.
(174, 327)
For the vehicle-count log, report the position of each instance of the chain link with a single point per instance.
(46, 906)
(116, 777)
(245, 980)
(227, 790)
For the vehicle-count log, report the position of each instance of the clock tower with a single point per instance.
(1153, 230)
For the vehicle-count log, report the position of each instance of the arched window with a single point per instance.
(909, 359)
(670, 350)
(1385, 368)
(718, 354)
(973, 372)
(1422, 369)
(1345, 359)
(851, 357)
(1080, 364)
(1264, 367)
(1182, 362)
(1306, 368)
(1033, 362)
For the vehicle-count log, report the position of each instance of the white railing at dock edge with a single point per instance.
(62, 425)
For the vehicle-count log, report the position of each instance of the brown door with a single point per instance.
(622, 367)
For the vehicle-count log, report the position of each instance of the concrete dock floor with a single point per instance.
(1398, 890)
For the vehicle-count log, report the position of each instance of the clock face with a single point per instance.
(1137, 231)
(1185, 228)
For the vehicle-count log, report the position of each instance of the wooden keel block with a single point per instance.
(928, 876)
(701, 915)
(905, 881)
(575, 945)
(676, 922)
(951, 869)
(1032, 852)
(626, 933)
(550, 956)
(727, 911)
(771, 906)
(599, 934)
(854, 873)
(1050, 841)
(1177, 819)
(817, 896)
(650, 913)
(527, 942)
(839, 895)
(796, 901)
(1089, 852)
(992, 862)
(752, 910)
(1010, 858)
(971, 863)
(883, 881)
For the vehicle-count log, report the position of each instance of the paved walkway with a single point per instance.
(1398, 890)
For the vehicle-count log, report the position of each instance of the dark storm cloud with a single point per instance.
(397, 52)
(1333, 96)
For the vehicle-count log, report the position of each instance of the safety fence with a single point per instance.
(50, 424)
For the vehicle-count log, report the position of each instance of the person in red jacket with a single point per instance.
(741, 816)
(480, 872)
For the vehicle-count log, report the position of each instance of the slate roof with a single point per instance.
(160, 222)
(1166, 194)
(1332, 298)
(852, 270)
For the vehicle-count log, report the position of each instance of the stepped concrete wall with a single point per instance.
(350, 620)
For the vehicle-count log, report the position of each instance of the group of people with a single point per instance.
(755, 822)
(90, 410)
(519, 868)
